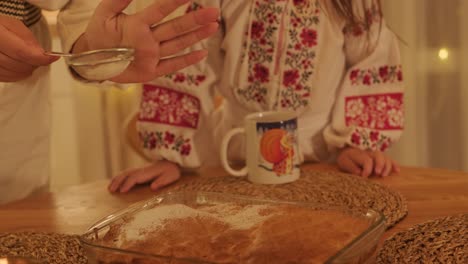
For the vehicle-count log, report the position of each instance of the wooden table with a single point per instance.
(431, 193)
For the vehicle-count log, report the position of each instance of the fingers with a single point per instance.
(366, 163)
(156, 12)
(380, 162)
(384, 165)
(363, 160)
(162, 173)
(15, 66)
(117, 181)
(22, 50)
(165, 179)
(395, 167)
(110, 8)
(388, 167)
(170, 65)
(348, 165)
(20, 30)
(186, 23)
(176, 45)
(367, 166)
(140, 176)
(7, 75)
(128, 179)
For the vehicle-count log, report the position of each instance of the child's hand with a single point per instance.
(161, 173)
(366, 163)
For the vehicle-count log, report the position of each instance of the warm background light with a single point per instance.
(443, 54)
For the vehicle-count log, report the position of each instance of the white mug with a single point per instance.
(272, 150)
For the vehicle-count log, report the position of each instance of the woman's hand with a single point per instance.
(366, 163)
(20, 52)
(156, 47)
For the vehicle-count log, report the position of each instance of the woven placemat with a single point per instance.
(440, 241)
(46, 247)
(325, 188)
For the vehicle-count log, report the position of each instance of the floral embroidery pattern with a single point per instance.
(370, 139)
(273, 26)
(299, 68)
(166, 140)
(384, 111)
(166, 106)
(382, 74)
(263, 39)
(193, 7)
(372, 15)
(189, 79)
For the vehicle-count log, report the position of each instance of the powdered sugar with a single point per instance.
(246, 217)
(153, 218)
(238, 217)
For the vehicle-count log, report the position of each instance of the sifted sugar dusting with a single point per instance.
(238, 217)
(155, 217)
(246, 218)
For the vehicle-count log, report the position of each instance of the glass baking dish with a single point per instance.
(360, 250)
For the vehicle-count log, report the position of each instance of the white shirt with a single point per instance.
(25, 126)
(48, 4)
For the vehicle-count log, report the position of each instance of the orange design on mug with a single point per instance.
(277, 148)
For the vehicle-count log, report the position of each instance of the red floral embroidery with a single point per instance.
(309, 37)
(258, 29)
(185, 149)
(290, 78)
(356, 139)
(189, 79)
(372, 16)
(193, 7)
(275, 22)
(370, 139)
(166, 106)
(299, 2)
(301, 51)
(262, 73)
(374, 135)
(169, 137)
(400, 75)
(382, 74)
(384, 111)
(165, 140)
(263, 40)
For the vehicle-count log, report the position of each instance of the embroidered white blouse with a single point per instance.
(345, 82)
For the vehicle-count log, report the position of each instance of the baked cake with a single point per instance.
(230, 233)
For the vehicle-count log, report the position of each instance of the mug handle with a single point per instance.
(224, 153)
